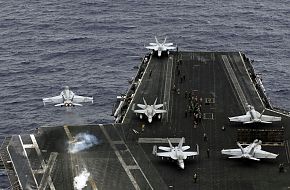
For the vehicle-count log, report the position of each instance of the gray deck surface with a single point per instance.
(124, 160)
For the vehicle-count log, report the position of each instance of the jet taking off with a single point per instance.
(252, 152)
(160, 47)
(67, 98)
(253, 116)
(176, 153)
(149, 110)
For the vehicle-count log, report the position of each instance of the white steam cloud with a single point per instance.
(82, 141)
(80, 181)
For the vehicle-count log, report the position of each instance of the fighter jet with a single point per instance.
(253, 116)
(176, 153)
(252, 152)
(149, 110)
(160, 47)
(67, 99)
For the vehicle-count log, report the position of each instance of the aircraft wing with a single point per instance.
(232, 152)
(167, 149)
(185, 148)
(81, 99)
(155, 48)
(188, 154)
(160, 111)
(142, 106)
(55, 99)
(242, 118)
(168, 44)
(164, 154)
(170, 47)
(270, 118)
(139, 111)
(264, 154)
(158, 106)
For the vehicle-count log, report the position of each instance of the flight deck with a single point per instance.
(220, 84)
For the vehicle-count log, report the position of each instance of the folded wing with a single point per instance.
(232, 152)
(270, 118)
(264, 154)
(242, 118)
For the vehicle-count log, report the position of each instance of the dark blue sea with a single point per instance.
(93, 46)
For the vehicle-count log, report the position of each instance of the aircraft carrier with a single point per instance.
(221, 82)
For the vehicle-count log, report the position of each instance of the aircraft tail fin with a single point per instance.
(144, 101)
(156, 40)
(154, 151)
(254, 145)
(181, 142)
(164, 40)
(169, 143)
(197, 149)
(240, 146)
(155, 102)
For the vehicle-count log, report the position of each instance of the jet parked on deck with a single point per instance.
(67, 98)
(252, 152)
(252, 116)
(149, 110)
(176, 153)
(160, 47)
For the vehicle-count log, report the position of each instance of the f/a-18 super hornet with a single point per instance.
(67, 98)
(253, 116)
(160, 47)
(176, 153)
(149, 110)
(252, 151)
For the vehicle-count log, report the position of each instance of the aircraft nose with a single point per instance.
(182, 166)
(150, 119)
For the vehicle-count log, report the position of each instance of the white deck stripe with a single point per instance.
(167, 86)
(235, 82)
(48, 169)
(275, 111)
(158, 140)
(127, 170)
(129, 107)
(43, 165)
(20, 185)
(287, 150)
(25, 154)
(251, 79)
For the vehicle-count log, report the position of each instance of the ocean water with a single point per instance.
(93, 46)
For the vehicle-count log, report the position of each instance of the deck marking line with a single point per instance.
(131, 177)
(148, 62)
(235, 82)
(43, 165)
